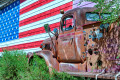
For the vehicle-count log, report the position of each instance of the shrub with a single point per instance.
(14, 66)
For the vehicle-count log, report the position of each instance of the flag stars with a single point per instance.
(9, 22)
(17, 2)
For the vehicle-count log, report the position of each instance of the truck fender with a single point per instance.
(47, 56)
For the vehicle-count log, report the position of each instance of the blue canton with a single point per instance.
(9, 22)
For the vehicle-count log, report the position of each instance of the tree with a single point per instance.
(105, 6)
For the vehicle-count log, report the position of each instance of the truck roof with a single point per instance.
(80, 9)
(80, 13)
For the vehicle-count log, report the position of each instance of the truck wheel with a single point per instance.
(39, 63)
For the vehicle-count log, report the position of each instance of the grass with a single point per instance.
(14, 66)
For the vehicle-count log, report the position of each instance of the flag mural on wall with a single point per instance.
(21, 23)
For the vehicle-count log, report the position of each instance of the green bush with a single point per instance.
(14, 66)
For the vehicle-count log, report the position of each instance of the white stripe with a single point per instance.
(26, 3)
(27, 50)
(43, 8)
(32, 50)
(29, 39)
(50, 20)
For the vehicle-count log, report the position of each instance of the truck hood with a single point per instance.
(48, 40)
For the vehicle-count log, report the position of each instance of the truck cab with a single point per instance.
(70, 43)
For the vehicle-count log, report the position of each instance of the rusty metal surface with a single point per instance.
(70, 67)
(47, 55)
(93, 75)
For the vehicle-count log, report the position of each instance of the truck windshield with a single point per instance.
(67, 23)
(95, 16)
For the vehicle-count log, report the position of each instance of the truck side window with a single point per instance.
(68, 23)
(95, 16)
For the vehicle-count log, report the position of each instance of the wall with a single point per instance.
(22, 26)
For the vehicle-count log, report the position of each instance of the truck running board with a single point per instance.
(93, 75)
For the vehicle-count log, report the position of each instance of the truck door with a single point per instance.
(66, 40)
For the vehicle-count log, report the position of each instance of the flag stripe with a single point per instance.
(32, 49)
(21, 1)
(40, 23)
(23, 46)
(26, 3)
(28, 50)
(37, 30)
(41, 29)
(33, 38)
(46, 14)
(44, 8)
(34, 5)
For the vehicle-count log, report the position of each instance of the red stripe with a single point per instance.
(46, 14)
(37, 30)
(23, 46)
(21, 1)
(41, 29)
(34, 5)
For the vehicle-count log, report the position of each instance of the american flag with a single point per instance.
(21, 23)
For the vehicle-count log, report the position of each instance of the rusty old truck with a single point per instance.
(83, 45)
